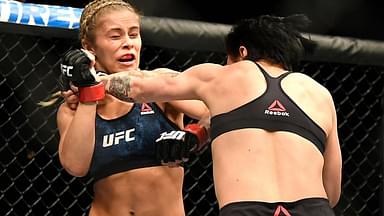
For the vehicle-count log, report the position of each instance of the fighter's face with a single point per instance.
(117, 42)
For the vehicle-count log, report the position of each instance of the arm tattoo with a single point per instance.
(120, 87)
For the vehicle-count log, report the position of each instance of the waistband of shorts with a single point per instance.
(314, 200)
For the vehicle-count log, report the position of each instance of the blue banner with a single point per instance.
(39, 14)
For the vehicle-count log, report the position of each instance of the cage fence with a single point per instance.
(34, 183)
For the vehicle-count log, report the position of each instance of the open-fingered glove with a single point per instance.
(76, 67)
(176, 146)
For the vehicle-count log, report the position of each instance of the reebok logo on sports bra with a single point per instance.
(276, 109)
(146, 109)
(272, 111)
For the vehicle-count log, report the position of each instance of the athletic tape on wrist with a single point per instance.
(92, 93)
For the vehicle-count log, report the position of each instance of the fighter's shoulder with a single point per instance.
(204, 67)
(204, 72)
(308, 81)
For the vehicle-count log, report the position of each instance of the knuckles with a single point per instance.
(75, 57)
(173, 148)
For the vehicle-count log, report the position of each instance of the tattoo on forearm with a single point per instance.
(120, 88)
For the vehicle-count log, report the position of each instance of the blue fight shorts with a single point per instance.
(304, 207)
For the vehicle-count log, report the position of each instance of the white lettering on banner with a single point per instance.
(39, 14)
(115, 138)
(5, 11)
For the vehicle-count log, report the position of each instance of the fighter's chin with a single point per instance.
(125, 66)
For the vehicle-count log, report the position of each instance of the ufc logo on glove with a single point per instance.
(174, 135)
(66, 70)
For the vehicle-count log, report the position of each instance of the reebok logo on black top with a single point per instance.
(277, 109)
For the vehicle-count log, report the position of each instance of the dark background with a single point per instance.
(34, 183)
(349, 18)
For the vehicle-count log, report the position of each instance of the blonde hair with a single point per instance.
(53, 98)
(87, 26)
(91, 12)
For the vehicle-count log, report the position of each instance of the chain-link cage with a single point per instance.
(34, 183)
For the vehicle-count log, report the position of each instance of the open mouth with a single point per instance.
(127, 58)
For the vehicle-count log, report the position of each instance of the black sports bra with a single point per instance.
(274, 110)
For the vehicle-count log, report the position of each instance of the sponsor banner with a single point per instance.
(39, 14)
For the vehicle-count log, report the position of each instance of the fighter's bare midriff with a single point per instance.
(152, 191)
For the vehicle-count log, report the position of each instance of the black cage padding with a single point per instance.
(34, 183)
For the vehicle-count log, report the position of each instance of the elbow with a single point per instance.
(74, 169)
(75, 161)
(201, 112)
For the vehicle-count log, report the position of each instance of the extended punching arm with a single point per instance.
(119, 84)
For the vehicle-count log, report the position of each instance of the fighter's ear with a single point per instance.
(88, 46)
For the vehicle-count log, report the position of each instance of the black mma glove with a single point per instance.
(64, 83)
(175, 146)
(76, 66)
